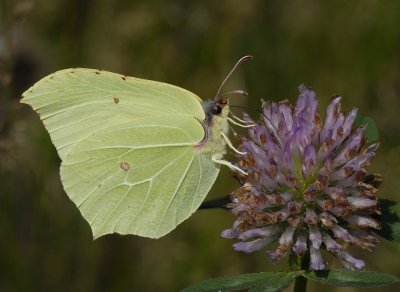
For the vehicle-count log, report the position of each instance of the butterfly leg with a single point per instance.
(241, 121)
(238, 124)
(230, 144)
(238, 119)
(215, 159)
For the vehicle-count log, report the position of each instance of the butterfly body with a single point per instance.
(215, 123)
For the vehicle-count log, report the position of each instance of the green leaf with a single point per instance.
(351, 278)
(274, 285)
(390, 220)
(268, 281)
(371, 132)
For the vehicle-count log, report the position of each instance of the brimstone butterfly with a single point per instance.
(138, 156)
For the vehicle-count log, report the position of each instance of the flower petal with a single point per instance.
(287, 235)
(309, 160)
(251, 246)
(363, 222)
(229, 233)
(260, 232)
(316, 261)
(315, 236)
(361, 203)
(311, 217)
(350, 262)
(331, 245)
(353, 145)
(300, 247)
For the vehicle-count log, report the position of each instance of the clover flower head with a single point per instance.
(307, 186)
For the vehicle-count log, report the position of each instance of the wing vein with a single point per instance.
(175, 192)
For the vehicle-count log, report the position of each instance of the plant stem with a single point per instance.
(300, 284)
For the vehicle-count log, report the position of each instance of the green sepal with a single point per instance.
(390, 220)
(351, 278)
(371, 132)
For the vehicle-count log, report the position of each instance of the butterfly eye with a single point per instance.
(216, 109)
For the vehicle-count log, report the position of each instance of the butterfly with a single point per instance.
(138, 156)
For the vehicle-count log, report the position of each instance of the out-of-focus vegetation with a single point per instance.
(337, 47)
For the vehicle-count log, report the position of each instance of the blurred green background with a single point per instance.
(349, 48)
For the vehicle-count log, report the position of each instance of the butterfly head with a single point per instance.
(217, 108)
(220, 106)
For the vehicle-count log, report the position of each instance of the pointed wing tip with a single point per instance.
(25, 96)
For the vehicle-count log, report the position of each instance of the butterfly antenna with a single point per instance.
(240, 92)
(241, 60)
(250, 108)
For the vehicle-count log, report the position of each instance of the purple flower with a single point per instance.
(307, 185)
